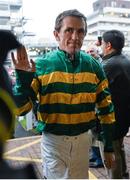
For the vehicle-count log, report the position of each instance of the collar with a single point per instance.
(68, 56)
(115, 53)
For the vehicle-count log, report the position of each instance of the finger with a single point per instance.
(32, 65)
(24, 54)
(13, 58)
(19, 53)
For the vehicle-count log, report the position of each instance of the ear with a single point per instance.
(109, 46)
(56, 34)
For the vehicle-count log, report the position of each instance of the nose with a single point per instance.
(75, 35)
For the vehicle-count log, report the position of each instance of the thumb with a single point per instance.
(33, 65)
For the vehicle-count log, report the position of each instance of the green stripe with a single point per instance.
(70, 130)
(20, 100)
(107, 136)
(68, 88)
(58, 61)
(105, 110)
(102, 95)
(66, 108)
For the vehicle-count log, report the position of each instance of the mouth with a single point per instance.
(75, 45)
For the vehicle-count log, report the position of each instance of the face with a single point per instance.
(71, 35)
(93, 52)
(106, 48)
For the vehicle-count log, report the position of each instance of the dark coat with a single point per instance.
(117, 69)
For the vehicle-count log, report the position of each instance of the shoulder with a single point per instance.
(50, 56)
(118, 61)
(89, 60)
(92, 65)
(46, 62)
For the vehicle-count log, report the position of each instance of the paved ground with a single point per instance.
(23, 150)
(100, 173)
(20, 131)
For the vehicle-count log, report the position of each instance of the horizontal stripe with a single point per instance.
(24, 109)
(68, 78)
(21, 147)
(24, 138)
(35, 85)
(106, 109)
(107, 119)
(67, 118)
(24, 159)
(69, 129)
(103, 95)
(104, 102)
(68, 88)
(103, 85)
(65, 98)
(66, 108)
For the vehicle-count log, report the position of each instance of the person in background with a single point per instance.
(8, 42)
(95, 160)
(68, 84)
(93, 51)
(117, 69)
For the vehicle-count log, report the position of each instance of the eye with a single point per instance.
(70, 30)
(81, 31)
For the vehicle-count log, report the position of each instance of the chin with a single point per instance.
(73, 51)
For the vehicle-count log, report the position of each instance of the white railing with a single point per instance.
(4, 13)
(8, 27)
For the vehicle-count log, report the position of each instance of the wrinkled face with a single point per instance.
(93, 52)
(71, 35)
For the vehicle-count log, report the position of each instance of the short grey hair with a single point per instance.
(72, 12)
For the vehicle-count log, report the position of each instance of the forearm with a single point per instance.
(23, 92)
(105, 113)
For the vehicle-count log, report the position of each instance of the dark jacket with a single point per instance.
(117, 68)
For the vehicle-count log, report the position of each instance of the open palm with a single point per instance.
(22, 62)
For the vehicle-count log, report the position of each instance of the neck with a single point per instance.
(70, 56)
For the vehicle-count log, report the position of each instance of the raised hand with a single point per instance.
(22, 62)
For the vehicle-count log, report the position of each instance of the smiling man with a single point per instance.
(69, 84)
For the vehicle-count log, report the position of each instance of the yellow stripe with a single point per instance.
(91, 175)
(105, 102)
(68, 98)
(21, 147)
(16, 158)
(68, 78)
(110, 118)
(67, 118)
(25, 138)
(35, 85)
(27, 107)
(102, 86)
